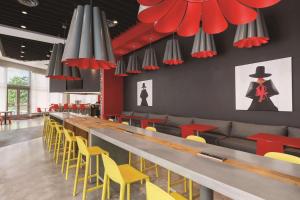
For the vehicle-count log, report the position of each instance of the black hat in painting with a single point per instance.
(260, 73)
(144, 86)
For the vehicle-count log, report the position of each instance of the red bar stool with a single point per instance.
(74, 108)
(83, 108)
(66, 107)
(55, 107)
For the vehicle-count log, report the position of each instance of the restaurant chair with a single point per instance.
(184, 180)
(46, 121)
(74, 108)
(153, 192)
(69, 149)
(58, 145)
(52, 135)
(66, 107)
(82, 108)
(283, 157)
(55, 107)
(124, 175)
(87, 152)
(38, 110)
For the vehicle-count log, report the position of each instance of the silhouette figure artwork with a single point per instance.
(144, 95)
(261, 90)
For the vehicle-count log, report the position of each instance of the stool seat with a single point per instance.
(177, 196)
(94, 150)
(130, 174)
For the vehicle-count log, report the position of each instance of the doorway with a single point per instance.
(18, 100)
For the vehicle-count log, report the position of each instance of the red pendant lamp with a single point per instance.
(204, 45)
(133, 66)
(150, 60)
(172, 54)
(121, 68)
(184, 16)
(253, 34)
(88, 43)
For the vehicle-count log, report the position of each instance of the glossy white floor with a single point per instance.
(28, 172)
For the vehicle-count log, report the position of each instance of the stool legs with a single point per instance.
(76, 175)
(128, 191)
(64, 157)
(122, 192)
(70, 149)
(86, 174)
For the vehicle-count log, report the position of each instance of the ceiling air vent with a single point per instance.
(29, 3)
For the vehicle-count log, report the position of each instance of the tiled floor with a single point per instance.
(28, 172)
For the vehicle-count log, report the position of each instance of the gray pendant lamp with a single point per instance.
(57, 70)
(253, 34)
(172, 54)
(88, 43)
(204, 45)
(121, 68)
(133, 66)
(150, 60)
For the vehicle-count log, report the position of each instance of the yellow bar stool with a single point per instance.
(143, 167)
(124, 175)
(45, 127)
(87, 152)
(184, 180)
(69, 149)
(52, 134)
(283, 157)
(47, 130)
(154, 192)
(58, 145)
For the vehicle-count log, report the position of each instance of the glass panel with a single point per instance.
(12, 102)
(24, 98)
(18, 77)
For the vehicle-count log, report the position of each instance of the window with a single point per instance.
(18, 77)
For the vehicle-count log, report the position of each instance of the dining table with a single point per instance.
(5, 115)
(267, 142)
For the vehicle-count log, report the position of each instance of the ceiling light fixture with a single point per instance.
(184, 16)
(23, 46)
(23, 26)
(21, 56)
(48, 55)
(88, 44)
(24, 12)
(22, 52)
(29, 3)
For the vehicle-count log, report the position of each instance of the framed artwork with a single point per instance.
(264, 86)
(144, 93)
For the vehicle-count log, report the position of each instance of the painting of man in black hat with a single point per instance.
(261, 91)
(144, 95)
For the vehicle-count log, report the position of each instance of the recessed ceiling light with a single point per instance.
(48, 55)
(115, 22)
(21, 56)
(50, 51)
(23, 46)
(24, 12)
(23, 26)
(22, 51)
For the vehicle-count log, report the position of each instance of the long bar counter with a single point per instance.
(241, 176)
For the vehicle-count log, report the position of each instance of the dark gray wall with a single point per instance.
(90, 83)
(206, 88)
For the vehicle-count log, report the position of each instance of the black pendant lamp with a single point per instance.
(133, 66)
(121, 68)
(204, 45)
(88, 43)
(172, 54)
(57, 70)
(150, 60)
(253, 34)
